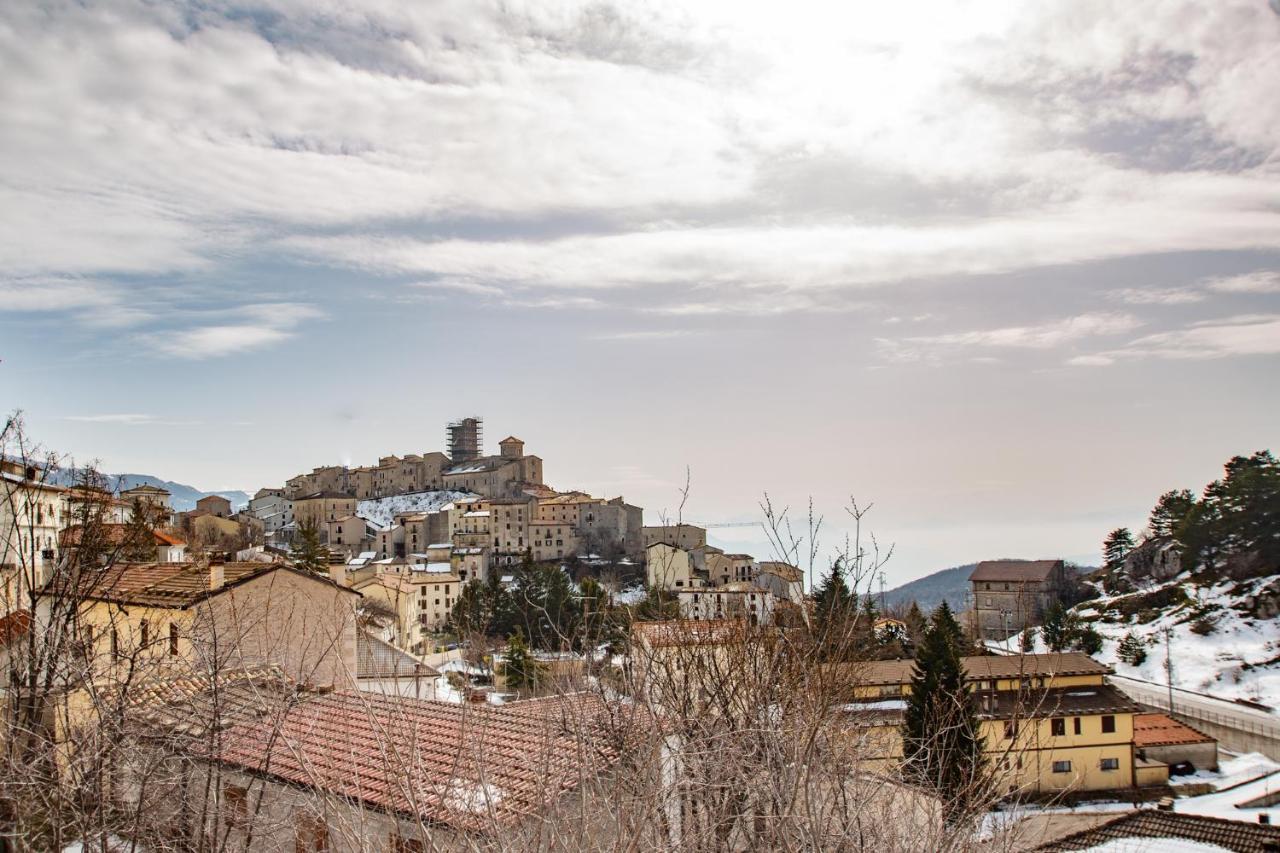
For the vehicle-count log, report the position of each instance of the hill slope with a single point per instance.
(929, 591)
(1224, 637)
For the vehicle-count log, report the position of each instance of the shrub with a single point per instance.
(1132, 650)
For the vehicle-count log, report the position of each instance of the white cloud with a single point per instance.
(1043, 336)
(265, 324)
(130, 419)
(1261, 281)
(1157, 295)
(1244, 335)
(641, 335)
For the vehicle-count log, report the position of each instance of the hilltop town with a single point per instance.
(446, 651)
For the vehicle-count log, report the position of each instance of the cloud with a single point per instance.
(1044, 336)
(1243, 335)
(1157, 296)
(641, 335)
(267, 324)
(1262, 281)
(130, 419)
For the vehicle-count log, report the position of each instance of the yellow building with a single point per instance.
(1050, 723)
(670, 567)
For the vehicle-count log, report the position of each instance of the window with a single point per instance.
(115, 643)
(1108, 725)
(173, 638)
(310, 834)
(400, 844)
(988, 601)
(235, 806)
(1011, 729)
(1076, 725)
(1058, 727)
(146, 633)
(1062, 767)
(1109, 764)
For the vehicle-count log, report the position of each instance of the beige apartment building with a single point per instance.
(672, 568)
(422, 602)
(743, 600)
(687, 536)
(238, 614)
(327, 478)
(318, 508)
(1009, 595)
(552, 540)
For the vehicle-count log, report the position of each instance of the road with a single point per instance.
(1237, 727)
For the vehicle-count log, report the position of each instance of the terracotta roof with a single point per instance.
(113, 534)
(1163, 730)
(1229, 834)
(466, 766)
(378, 659)
(979, 667)
(177, 585)
(192, 703)
(14, 626)
(1056, 702)
(1014, 570)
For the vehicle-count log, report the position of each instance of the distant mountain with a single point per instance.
(929, 591)
(182, 496)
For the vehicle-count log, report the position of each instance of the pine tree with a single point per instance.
(1057, 628)
(1027, 641)
(1087, 639)
(520, 668)
(1115, 548)
(916, 624)
(1132, 650)
(831, 600)
(307, 552)
(942, 744)
(943, 615)
(1170, 512)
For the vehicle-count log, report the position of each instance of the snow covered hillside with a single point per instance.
(1224, 636)
(381, 510)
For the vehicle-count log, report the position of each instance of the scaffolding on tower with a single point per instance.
(465, 439)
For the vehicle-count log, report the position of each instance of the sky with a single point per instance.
(1006, 271)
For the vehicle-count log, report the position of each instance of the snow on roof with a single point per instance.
(435, 545)
(439, 567)
(476, 513)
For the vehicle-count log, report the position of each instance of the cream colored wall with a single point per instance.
(670, 568)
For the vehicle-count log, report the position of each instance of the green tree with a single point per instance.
(1027, 640)
(307, 552)
(1132, 650)
(942, 744)
(831, 600)
(1170, 512)
(1115, 548)
(917, 624)
(546, 609)
(520, 668)
(1087, 639)
(1057, 628)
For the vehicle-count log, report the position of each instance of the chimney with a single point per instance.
(216, 577)
(338, 574)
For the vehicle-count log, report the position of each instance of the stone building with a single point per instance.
(1010, 595)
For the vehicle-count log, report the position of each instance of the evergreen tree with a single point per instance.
(1087, 639)
(1132, 650)
(307, 552)
(943, 615)
(917, 624)
(1115, 548)
(1057, 627)
(831, 600)
(1027, 641)
(546, 609)
(520, 668)
(942, 744)
(1170, 512)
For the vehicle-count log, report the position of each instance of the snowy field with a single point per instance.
(382, 510)
(1231, 662)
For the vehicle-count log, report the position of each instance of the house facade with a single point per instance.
(1010, 595)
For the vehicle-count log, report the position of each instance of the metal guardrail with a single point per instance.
(1237, 717)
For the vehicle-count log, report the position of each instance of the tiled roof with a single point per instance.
(690, 632)
(378, 659)
(980, 667)
(1163, 730)
(1055, 702)
(114, 534)
(466, 766)
(189, 704)
(1014, 570)
(1228, 834)
(172, 584)
(14, 626)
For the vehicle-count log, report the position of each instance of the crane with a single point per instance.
(710, 524)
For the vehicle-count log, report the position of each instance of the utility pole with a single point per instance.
(882, 593)
(1168, 665)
